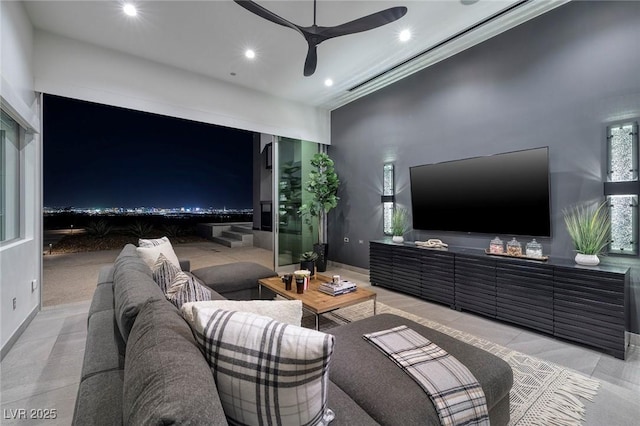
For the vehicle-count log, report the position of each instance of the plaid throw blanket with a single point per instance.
(456, 394)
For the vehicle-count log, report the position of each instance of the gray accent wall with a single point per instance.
(554, 81)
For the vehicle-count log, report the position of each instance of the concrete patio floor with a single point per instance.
(71, 277)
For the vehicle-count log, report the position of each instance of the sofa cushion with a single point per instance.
(102, 299)
(233, 276)
(150, 254)
(104, 349)
(347, 411)
(129, 259)
(105, 274)
(286, 311)
(412, 405)
(132, 289)
(266, 372)
(129, 250)
(185, 265)
(186, 288)
(251, 294)
(164, 272)
(99, 400)
(167, 380)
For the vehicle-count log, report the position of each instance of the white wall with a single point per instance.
(21, 259)
(75, 69)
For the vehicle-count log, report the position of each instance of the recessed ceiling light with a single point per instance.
(250, 54)
(404, 35)
(328, 82)
(129, 9)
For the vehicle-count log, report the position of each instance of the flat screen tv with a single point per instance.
(502, 194)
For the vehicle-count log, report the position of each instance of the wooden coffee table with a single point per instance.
(314, 300)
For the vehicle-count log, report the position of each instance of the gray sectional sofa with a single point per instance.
(142, 364)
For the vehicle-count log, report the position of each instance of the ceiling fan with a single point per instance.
(314, 35)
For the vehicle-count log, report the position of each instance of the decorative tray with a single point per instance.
(539, 259)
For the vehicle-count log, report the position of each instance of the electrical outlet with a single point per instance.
(34, 285)
(360, 242)
(346, 239)
(14, 303)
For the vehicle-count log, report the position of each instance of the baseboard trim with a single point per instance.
(348, 267)
(14, 338)
(634, 339)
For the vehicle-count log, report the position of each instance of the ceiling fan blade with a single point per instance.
(267, 14)
(365, 23)
(311, 61)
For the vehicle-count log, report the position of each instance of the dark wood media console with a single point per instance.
(586, 305)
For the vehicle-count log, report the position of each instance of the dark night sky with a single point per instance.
(102, 156)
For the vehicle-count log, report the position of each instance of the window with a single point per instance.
(9, 178)
(622, 187)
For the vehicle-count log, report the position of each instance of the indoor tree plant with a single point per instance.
(590, 229)
(323, 185)
(399, 224)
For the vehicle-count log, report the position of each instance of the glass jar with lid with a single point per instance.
(496, 246)
(534, 249)
(514, 248)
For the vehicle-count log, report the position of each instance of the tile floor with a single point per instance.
(42, 369)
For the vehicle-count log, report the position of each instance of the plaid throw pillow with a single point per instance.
(266, 372)
(185, 288)
(164, 272)
(286, 311)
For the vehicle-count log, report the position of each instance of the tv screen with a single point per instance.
(502, 194)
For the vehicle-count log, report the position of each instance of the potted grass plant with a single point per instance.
(323, 185)
(308, 261)
(590, 229)
(399, 225)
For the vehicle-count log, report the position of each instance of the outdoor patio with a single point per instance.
(71, 277)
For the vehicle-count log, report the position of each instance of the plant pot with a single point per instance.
(321, 261)
(397, 239)
(587, 259)
(309, 265)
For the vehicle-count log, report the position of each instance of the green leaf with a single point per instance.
(589, 227)
(323, 185)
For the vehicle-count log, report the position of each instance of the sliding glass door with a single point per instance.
(292, 235)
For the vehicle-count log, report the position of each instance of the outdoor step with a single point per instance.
(244, 237)
(228, 242)
(242, 229)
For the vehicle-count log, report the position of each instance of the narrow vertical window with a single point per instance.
(622, 187)
(9, 178)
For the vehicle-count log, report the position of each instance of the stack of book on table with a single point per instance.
(334, 289)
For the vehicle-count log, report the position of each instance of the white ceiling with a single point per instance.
(210, 37)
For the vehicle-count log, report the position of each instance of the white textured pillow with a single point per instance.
(150, 254)
(266, 372)
(286, 311)
(152, 242)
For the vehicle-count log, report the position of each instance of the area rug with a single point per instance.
(543, 393)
